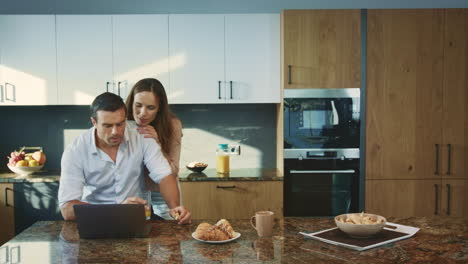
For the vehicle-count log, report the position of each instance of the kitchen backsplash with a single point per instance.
(204, 126)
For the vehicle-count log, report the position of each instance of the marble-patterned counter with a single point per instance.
(440, 240)
(40, 176)
(210, 174)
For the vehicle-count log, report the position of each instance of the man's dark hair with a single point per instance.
(107, 102)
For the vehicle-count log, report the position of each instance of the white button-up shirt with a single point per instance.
(88, 174)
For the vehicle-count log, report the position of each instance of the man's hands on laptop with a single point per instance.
(181, 214)
(136, 200)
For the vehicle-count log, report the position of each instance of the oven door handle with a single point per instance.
(321, 171)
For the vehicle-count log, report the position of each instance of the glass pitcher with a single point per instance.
(222, 159)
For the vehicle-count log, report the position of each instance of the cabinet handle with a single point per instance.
(448, 198)
(289, 74)
(6, 196)
(13, 99)
(1, 94)
(118, 88)
(18, 255)
(436, 172)
(449, 159)
(219, 90)
(107, 86)
(436, 188)
(225, 187)
(7, 258)
(231, 88)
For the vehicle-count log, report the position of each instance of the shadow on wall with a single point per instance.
(205, 126)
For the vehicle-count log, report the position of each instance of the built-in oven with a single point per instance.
(321, 151)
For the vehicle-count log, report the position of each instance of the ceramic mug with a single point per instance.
(263, 221)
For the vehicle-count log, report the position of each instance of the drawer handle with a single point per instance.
(219, 90)
(436, 159)
(436, 188)
(449, 157)
(289, 74)
(225, 187)
(6, 196)
(448, 198)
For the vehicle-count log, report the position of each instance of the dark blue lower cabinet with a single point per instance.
(35, 202)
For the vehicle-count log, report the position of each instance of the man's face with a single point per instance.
(110, 126)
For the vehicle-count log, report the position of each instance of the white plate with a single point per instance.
(236, 236)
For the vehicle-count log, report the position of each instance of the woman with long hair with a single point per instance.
(147, 104)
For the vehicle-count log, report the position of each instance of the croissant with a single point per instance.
(226, 227)
(222, 230)
(201, 230)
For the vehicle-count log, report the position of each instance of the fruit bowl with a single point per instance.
(25, 170)
(360, 225)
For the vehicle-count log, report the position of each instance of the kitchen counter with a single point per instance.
(210, 174)
(440, 240)
(185, 175)
(41, 176)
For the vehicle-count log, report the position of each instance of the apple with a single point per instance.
(39, 156)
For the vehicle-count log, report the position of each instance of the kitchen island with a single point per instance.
(440, 240)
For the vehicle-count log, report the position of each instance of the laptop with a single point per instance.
(111, 220)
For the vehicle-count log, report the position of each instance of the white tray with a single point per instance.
(409, 230)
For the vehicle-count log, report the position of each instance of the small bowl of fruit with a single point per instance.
(24, 163)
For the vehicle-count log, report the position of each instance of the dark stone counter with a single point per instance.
(210, 174)
(185, 175)
(40, 176)
(440, 240)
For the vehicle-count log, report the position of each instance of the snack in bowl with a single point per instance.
(360, 225)
(196, 166)
(221, 231)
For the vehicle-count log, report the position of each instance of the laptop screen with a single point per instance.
(111, 220)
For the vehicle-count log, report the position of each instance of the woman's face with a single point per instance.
(145, 108)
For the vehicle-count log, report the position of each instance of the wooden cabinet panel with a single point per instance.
(404, 106)
(7, 212)
(403, 198)
(322, 48)
(454, 198)
(232, 200)
(455, 125)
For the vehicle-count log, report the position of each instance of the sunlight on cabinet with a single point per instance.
(23, 87)
(27, 252)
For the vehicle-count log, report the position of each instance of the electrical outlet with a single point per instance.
(234, 149)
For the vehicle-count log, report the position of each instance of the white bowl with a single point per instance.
(25, 170)
(361, 230)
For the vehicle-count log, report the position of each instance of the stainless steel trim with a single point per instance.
(322, 171)
(348, 153)
(322, 93)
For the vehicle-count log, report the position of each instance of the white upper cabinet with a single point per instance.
(84, 57)
(252, 58)
(224, 58)
(140, 50)
(196, 62)
(28, 60)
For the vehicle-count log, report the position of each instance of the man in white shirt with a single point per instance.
(105, 165)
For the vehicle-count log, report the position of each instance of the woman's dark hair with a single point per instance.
(162, 123)
(106, 102)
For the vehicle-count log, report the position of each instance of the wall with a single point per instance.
(206, 6)
(205, 126)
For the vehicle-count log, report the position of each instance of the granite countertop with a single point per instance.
(210, 174)
(184, 176)
(40, 176)
(440, 240)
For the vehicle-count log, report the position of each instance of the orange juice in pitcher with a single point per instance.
(222, 159)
